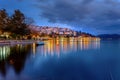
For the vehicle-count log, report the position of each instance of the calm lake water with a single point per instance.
(61, 60)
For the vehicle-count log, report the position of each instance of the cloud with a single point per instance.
(95, 14)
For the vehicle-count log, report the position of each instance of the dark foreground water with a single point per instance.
(61, 60)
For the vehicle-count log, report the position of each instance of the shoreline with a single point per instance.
(59, 39)
(12, 42)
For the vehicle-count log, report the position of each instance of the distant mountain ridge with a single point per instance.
(109, 36)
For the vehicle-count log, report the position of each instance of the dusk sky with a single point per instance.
(93, 16)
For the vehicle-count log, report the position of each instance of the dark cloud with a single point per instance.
(96, 14)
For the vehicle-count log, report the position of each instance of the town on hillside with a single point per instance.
(47, 32)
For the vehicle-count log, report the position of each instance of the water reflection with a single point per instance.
(57, 47)
(4, 52)
(13, 56)
(18, 59)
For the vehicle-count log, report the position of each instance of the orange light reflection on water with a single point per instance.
(57, 47)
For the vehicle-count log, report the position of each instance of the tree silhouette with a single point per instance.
(18, 24)
(4, 21)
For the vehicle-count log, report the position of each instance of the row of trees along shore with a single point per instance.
(15, 25)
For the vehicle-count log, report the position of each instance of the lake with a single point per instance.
(61, 60)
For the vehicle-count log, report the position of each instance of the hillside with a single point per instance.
(57, 31)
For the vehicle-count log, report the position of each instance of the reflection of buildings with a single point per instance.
(57, 47)
(34, 48)
(14, 56)
(4, 52)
